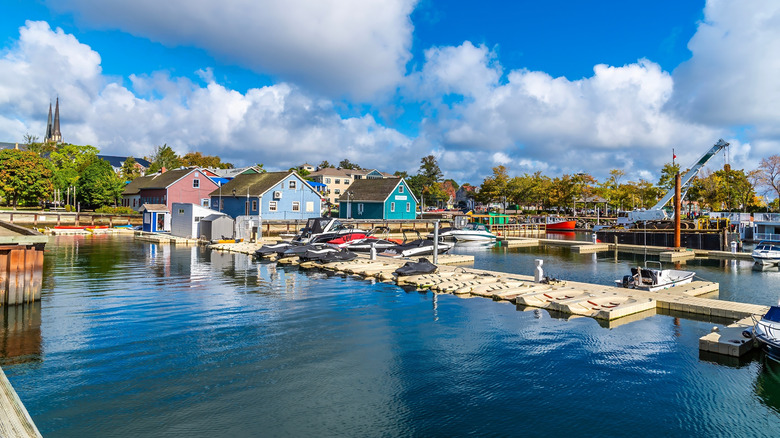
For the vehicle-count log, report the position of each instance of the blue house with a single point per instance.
(272, 195)
(378, 199)
(157, 218)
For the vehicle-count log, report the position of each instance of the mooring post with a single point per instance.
(373, 251)
(538, 271)
(677, 209)
(436, 242)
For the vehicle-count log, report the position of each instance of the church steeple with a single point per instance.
(53, 134)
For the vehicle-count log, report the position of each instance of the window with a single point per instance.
(221, 204)
(204, 202)
(327, 180)
(346, 181)
(337, 191)
(408, 207)
(198, 218)
(401, 188)
(309, 206)
(338, 180)
(272, 206)
(195, 183)
(296, 206)
(360, 209)
(392, 207)
(254, 205)
(181, 211)
(293, 184)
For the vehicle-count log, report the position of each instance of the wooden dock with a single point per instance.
(15, 421)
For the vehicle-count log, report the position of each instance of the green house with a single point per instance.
(388, 198)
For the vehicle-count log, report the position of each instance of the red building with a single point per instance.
(187, 185)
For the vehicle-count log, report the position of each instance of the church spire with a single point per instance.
(48, 127)
(56, 135)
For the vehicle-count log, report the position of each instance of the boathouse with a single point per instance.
(186, 220)
(269, 195)
(388, 198)
(188, 184)
(157, 218)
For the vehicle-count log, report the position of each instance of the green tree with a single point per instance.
(324, 165)
(401, 174)
(429, 169)
(69, 161)
(668, 172)
(40, 148)
(98, 185)
(130, 170)
(163, 156)
(495, 188)
(345, 164)
(25, 177)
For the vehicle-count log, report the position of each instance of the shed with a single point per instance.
(186, 219)
(217, 227)
(157, 218)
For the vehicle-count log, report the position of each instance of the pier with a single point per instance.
(608, 304)
(21, 264)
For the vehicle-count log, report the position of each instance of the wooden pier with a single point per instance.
(21, 264)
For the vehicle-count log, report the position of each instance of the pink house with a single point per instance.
(186, 185)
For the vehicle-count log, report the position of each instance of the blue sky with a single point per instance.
(559, 87)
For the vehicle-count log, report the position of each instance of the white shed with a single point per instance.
(185, 219)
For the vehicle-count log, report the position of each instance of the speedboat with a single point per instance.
(767, 331)
(367, 242)
(321, 230)
(652, 279)
(472, 231)
(416, 247)
(767, 252)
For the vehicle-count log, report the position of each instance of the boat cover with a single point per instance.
(422, 266)
(773, 314)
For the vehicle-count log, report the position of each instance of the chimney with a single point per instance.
(163, 169)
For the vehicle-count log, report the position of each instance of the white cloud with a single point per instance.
(341, 47)
(277, 125)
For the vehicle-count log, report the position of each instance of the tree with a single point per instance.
(324, 165)
(345, 164)
(98, 185)
(163, 156)
(668, 172)
(130, 170)
(69, 161)
(769, 173)
(199, 160)
(25, 177)
(401, 174)
(40, 148)
(495, 188)
(429, 169)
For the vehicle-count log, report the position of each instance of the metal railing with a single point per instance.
(766, 217)
(766, 236)
(518, 230)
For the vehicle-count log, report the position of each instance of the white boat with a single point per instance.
(652, 279)
(767, 331)
(767, 252)
(417, 247)
(470, 232)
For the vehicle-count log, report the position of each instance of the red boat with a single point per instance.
(561, 225)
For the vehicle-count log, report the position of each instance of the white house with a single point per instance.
(185, 219)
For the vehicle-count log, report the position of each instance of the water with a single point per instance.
(133, 339)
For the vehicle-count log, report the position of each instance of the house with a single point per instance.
(187, 185)
(217, 227)
(464, 197)
(307, 167)
(157, 218)
(271, 195)
(388, 198)
(336, 182)
(117, 162)
(186, 220)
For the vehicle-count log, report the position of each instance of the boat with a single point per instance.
(267, 250)
(420, 267)
(554, 224)
(652, 279)
(767, 252)
(367, 242)
(321, 230)
(767, 332)
(337, 256)
(470, 232)
(416, 247)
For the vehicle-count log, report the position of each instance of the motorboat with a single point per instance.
(416, 247)
(767, 331)
(368, 241)
(767, 252)
(420, 267)
(655, 279)
(321, 230)
(560, 224)
(470, 232)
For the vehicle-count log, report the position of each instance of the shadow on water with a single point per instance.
(767, 385)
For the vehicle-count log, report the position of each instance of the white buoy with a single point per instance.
(538, 272)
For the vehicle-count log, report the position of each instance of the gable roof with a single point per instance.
(117, 161)
(157, 180)
(373, 190)
(154, 207)
(330, 171)
(255, 184)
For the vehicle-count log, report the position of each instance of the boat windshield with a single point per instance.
(773, 314)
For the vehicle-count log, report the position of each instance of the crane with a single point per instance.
(657, 212)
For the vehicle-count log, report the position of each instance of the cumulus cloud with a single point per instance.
(278, 125)
(341, 47)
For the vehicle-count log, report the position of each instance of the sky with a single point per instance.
(559, 87)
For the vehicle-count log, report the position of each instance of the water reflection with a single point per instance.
(767, 384)
(20, 334)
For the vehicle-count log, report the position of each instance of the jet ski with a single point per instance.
(267, 250)
(420, 267)
(337, 256)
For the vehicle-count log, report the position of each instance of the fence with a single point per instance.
(55, 218)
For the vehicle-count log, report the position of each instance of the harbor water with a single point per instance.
(137, 339)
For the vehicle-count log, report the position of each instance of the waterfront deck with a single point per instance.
(15, 421)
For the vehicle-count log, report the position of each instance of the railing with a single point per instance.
(766, 217)
(518, 230)
(766, 236)
(54, 218)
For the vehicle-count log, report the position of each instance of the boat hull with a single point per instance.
(563, 225)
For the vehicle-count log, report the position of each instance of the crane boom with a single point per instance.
(694, 170)
(657, 212)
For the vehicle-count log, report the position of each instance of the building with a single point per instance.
(6, 145)
(388, 198)
(464, 197)
(186, 220)
(187, 185)
(338, 180)
(217, 227)
(271, 195)
(53, 134)
(157, 218)
(117, 162)
(307, 167)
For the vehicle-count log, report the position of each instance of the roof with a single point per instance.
(330, 171)
(371, 190)
(156, 181)
(230, 173)
(6, 145)
(154, 207)
(316, 184)
(117, 161)
(252, 184)
(215, 216)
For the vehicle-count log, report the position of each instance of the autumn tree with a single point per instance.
(199, 160)
(25, 177)
(130, 170)
(769, 173)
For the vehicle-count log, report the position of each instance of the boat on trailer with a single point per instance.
(655, 279)
(767, 252)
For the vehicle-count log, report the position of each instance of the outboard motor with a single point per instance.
(627, 280)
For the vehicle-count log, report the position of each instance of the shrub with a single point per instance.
(115, 210)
